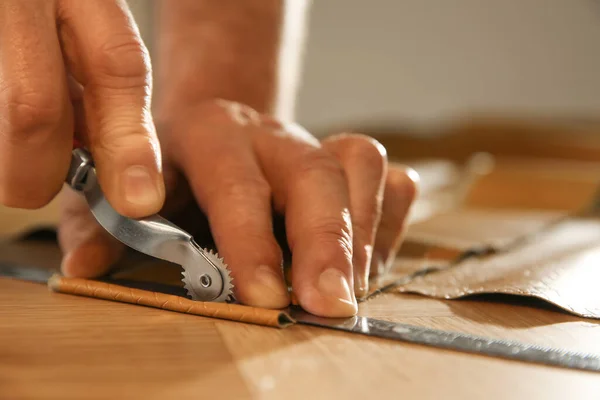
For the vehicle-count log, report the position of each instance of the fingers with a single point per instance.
(309, 186)
(88, 250)
(230, 187)
(106, 55)
(35, 114)
(365, 163)
(401, 187)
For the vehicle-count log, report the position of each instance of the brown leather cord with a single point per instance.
(107, 291)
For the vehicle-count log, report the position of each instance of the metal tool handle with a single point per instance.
(154, 235)
(205, 275)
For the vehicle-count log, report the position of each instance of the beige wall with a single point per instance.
(428, 59)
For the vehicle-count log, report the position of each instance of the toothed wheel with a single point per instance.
(192, 279)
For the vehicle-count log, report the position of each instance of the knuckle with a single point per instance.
(123, 56)
(134, 142)
(334, 231)
(403, 181)
(230, 111)
(359, 147)
(319, 162)
(30, 111)
(400, 192)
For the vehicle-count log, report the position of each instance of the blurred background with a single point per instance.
(494, 103)
(423, 62)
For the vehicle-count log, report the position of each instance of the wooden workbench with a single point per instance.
(65, 347)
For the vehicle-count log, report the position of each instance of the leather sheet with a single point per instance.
(476, 230)
(525, 227)
(498, 202)
(560, 266)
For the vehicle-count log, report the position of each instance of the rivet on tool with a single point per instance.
(205, 281)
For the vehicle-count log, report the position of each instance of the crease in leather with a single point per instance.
(404, 270)
(108, 291)
(559, 266)
(488, 227)
(479, 230)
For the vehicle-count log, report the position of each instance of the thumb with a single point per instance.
(106, 54)
(88, 250)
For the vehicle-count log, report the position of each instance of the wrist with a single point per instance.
(210, 49)
(189, 89)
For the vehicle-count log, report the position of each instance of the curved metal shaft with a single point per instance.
(153, 235)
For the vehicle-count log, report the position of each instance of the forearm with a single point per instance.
(229, 49)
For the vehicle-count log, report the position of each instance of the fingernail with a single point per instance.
(333, 283)
(269, 289)
(361, 280)
(139, 187)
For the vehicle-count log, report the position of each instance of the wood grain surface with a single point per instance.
(57, 346)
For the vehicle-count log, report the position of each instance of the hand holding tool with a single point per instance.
(205, 275)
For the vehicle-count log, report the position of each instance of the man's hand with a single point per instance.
(344, 208)
(72, 66)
